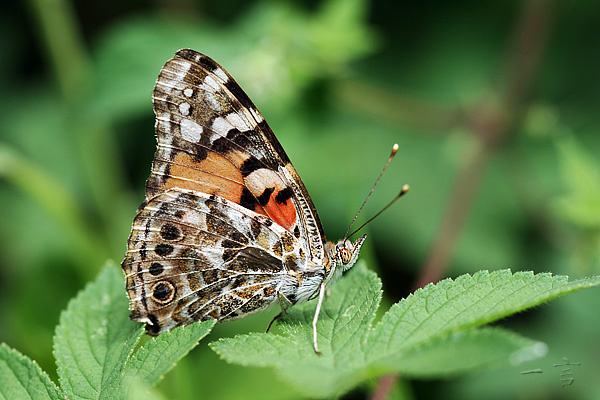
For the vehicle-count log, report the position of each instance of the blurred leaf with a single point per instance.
(53, 198)
(580, 205)
(353, 350)
(470, 350)
(139, 391)
(273, 51)
(21, 378)
(203, 365)
(159, 355)
(94, 339)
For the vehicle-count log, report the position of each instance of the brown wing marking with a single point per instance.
(192, 256)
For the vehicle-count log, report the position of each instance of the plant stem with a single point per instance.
(63, 45)
(380, 103)
(490, 125)
(72, 66)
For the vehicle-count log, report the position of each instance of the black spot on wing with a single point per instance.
(237, 91)
(143, 251)
(179, 214)
(188, 54)
(153, 328)
(163, 249)
(284, 195)
(229, 244)
(250, 165)
(163, 291)
(207, 63)
(221, 145)
(200, 153)
(156, 269)
(263, 199)
(248, 200)
(255, 227)
(170, 232)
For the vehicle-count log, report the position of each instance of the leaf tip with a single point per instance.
(529, 353)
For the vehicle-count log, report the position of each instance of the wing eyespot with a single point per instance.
(163, 292)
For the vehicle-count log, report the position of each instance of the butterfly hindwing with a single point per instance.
(194, 256)
(211, 139)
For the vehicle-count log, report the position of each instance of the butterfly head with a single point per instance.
(343, 254)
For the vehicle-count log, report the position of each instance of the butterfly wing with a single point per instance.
(194, 256)
(212, 139)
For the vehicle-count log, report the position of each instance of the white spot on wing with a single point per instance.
(194, 219)
(165, 122)
(165, 139)
(210, 81)
(184, 108)
(221, 126)
(181, 68)
(188, 92)
(221, 74)
(236, 121)
(259, 118)
(262, 178)
(212, 101)
(190, 130)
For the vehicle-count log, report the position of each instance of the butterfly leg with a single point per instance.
(284, 303)
(316, 318)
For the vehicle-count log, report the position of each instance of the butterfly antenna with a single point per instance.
(366, 200)
(403, 191)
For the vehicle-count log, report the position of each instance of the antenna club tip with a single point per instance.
(405, 189)
(394, 150)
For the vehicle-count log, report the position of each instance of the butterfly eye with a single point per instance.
(345, 255)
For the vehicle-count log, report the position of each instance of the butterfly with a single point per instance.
(227, 227)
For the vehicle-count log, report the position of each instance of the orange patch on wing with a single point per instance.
(282, 213)
(213, 175)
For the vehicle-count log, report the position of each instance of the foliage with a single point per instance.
(339, 82)
(97, 351)
(431, 333)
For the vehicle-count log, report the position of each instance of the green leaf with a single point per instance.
(466, 302)
(159, 355)
(22, 378)
(94, 339)
(355, 350)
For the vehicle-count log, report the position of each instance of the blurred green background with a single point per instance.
(494, 106)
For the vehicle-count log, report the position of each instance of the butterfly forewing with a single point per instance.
(212, 139)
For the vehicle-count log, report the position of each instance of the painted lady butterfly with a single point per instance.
(227, 226)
